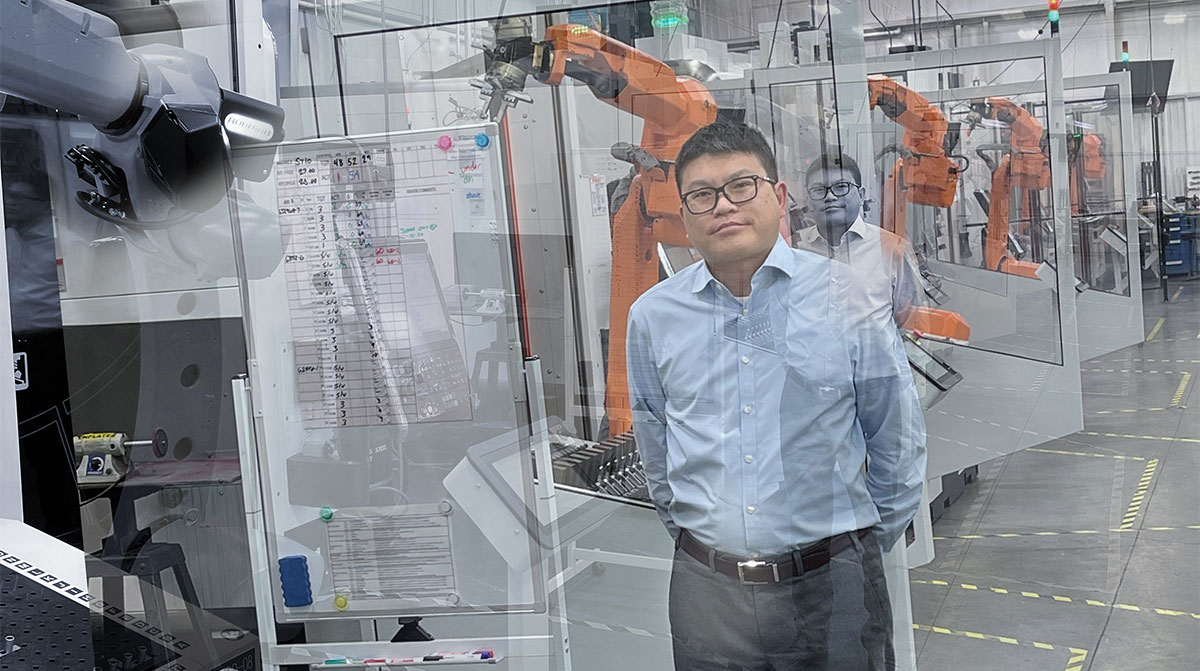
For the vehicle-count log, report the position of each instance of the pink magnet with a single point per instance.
(444, 143)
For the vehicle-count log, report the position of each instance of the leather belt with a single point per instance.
(766, 571)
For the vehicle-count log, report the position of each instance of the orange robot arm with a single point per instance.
(929, 177)
(1026, 167)
(1093, 158)
(673, 108)
(1030, 164)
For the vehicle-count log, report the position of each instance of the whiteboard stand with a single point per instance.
(546, 648)
(547, 512)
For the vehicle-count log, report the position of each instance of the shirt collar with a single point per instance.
(811, 236)
(859, 228)
(780, 258)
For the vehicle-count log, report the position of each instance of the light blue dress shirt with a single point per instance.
(881, 261)
(755, 419)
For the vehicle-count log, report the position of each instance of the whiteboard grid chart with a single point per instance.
(343, 215)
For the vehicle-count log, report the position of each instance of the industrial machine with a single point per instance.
(104, 458)
(1023, 165)
(1022, 328)
(137, 147)
(1087, 164)
(167, 127)
(925, 173)
(672, 106)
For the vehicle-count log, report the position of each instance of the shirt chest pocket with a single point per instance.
(691, 391)
(817, 373)
(682, 411)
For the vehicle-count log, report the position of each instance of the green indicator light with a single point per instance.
(1054, 15)
(666, 21)
(1124, 56)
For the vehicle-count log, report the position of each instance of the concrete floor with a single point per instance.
(1080, 554)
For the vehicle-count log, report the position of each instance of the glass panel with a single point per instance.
(994, 269)
(1099, 203)
(380, 260)
(390, 329)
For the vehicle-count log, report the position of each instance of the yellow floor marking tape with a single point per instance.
(1135, 504)
(1075, 663)
(1078, 657)
(1178, 397)
(1130, 435)
(1084, 454)
(1058, 598)
(1076, 532)
(1154, 331)
(1128, 410)
(1139, 360)
(1177, 292)
(1135, 371)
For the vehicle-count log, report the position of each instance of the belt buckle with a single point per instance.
(752, 564)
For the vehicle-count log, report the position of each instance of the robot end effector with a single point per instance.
(510, 61)
(168, 131)
(568, 50)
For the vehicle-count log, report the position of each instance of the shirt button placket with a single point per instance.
(748, 433)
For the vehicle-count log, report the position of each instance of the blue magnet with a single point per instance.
(482, 140)
(293, 575)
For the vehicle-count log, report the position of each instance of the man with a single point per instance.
(757, 399)
(882, 261)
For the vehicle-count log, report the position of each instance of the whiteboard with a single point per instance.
(385, 348)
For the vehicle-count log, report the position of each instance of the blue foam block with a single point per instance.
(293, 573)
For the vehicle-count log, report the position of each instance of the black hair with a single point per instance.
(833, 158)
(725, 137)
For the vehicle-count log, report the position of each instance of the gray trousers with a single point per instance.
(836, 617)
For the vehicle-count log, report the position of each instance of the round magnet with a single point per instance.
(444, 143)
(482, 140)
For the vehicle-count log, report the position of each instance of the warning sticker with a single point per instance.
(20, 370)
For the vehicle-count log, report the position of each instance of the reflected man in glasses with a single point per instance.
(759, 394)
(880, 260)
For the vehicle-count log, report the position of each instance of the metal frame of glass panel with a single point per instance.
(1004, 403)
(1107, 321)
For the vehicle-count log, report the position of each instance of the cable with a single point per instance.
(953, 23)
(774, 34)
(1085, 21)
(97, 497)
(1077, 31)
(920, 26)
(312, 80)
(881, 24)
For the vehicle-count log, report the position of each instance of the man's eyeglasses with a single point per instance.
(838, 189)
(736, 191)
